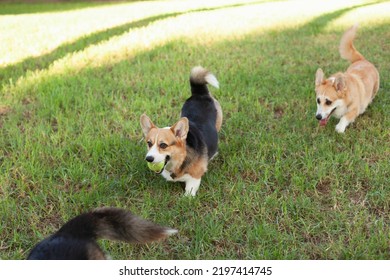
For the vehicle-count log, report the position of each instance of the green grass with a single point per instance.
(281, 186)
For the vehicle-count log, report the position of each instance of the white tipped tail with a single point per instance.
(171, 231)
(120, 224)
(212, 80)
(202, 76)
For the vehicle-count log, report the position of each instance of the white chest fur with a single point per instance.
(192, 184)
(167, 175)
(341, 110)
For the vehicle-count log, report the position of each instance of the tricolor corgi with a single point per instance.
(182, 151)
(346, 95)
(76, 240)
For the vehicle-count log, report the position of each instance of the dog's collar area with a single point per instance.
(181, 168)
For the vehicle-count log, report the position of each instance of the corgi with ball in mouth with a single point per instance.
(182, 151)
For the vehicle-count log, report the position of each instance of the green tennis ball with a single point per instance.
(156, 167)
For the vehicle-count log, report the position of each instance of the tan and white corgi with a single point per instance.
(183, 150)
(346, 95)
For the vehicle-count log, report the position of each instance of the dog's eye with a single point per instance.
(163, 146)
(318, 101)
(328, 102)
(150, 144)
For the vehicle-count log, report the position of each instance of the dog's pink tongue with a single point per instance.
(323, 122)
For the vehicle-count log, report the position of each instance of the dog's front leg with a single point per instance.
(192, 186)
(346, 120)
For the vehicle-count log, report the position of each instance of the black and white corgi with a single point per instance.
(182, 151)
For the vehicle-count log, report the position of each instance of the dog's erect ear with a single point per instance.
(319, 77)
(339, 83)
(180, 129)
(146, 124)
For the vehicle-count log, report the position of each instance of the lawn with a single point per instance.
(75, 78)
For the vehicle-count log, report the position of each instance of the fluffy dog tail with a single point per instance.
(114, 224)
(76, 240)
(199, 78)
(347, 49)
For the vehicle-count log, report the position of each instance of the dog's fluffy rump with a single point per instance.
(76, 240)
(346, 95)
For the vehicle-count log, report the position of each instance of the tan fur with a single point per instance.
(196, 168)
(218, 123)
(352, 90)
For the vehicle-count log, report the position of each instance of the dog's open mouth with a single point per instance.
(324, 121)
(167, 158)
(158, 167)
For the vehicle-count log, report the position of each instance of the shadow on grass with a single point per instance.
(15, 71)
(19, 8)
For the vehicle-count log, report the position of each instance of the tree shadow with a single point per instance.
(15, 71)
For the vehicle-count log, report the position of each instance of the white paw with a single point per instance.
(192, 186)
(190, 193)
(340, 128)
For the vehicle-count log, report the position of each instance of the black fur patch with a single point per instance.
(202, 115)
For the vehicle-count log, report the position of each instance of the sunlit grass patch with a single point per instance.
(220, 23)
(43, 32)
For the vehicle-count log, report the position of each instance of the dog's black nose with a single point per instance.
(149, 159)
(318, 117)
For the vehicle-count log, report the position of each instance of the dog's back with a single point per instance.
(203, 112)
(76, 240)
